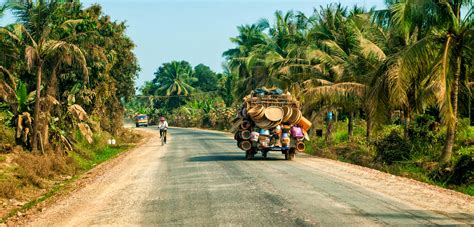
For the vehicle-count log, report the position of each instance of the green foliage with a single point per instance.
(189, 97)
(202, 112)
(424, 135)
(393, 148)
(174, 78)
(7, 133)
(465, 132)
(88, 155)
(86, 59)
(206, 79)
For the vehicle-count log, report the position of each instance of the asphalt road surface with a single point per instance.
(200, 178)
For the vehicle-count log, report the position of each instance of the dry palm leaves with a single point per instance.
(78, 112)
(86, 132)
(23, 128)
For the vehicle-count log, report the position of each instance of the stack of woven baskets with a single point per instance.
(267, 111)
(272, 116)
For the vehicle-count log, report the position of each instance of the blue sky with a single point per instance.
(197, 31)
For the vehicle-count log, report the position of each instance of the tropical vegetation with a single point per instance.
(399, 81)
(65, 73)
(404, 71)
(187, 96)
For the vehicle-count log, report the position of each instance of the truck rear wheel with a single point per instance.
(291, 154)
(249, 155)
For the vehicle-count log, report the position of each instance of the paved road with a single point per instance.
(201, 178)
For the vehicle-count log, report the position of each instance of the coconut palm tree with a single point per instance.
(284, 51)
(39, 51)
(239, 58)
(440, 56)
(2, 10)
(174, 78)
(348, 95)
(346, 59)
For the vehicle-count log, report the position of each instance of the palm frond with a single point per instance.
(369, 48)
(70, 24)
(9, 75)
(32, 56)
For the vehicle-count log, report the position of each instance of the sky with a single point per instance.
(197, 31)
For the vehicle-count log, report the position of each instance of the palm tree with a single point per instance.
(284, 52)
(239, 60)
(39, 51)
(2, 10)
(440, 56)
(349, 95)
(174, 78)
(346, 59)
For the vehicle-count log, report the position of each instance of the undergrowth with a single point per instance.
(414, 157)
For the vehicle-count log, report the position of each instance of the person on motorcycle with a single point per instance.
(163, 126)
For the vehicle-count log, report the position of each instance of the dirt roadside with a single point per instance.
(72, 188)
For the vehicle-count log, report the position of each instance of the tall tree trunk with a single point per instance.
(350, 126)
(328, 132)
(407, 113)
(368, 129)
(471, 113)
(37, 107)
(451, 130)
(51, 91)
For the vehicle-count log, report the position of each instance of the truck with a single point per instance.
(270, 120)
(141, 120)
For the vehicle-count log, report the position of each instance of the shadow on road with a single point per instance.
(422, 214)
(230, 157)
(214, 158)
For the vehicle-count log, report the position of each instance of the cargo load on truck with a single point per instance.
(270, 120)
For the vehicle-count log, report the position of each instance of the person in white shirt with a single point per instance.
(163, 126)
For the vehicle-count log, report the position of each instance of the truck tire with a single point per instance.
(291, 154)
(249, 155)
(137, 125)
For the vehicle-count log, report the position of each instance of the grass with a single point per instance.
(7, 188)
(469, 189)
(53, 191)
(100, 156)
(409, 170)
(89, 155)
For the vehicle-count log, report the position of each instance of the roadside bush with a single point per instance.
(7, 188)
(354, 153)
(392, 148)
(462, 172)
(424, 135)
(465, 132)
(7, 134)
(34, 168)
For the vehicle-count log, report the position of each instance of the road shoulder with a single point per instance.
(76, 184)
